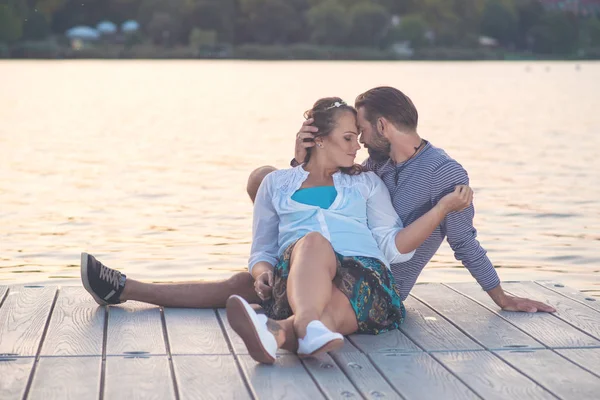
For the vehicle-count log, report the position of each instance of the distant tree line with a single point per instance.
(520, 25)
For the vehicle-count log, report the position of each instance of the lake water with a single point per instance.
(144, 163)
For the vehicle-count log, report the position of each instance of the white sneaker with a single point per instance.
(252, 328)
(319, 339)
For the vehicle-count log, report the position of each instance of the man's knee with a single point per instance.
(241, 281)
(255, 179)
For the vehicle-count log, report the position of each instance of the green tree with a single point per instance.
(267, 22)
(11, 27)
(499, 22)
(412, 28)
(328, 23)
(212, 15)
(591, 32)
(529, 13)
(369, 24)
(556, 33)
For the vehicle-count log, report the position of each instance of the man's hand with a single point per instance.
(513, 303)
(263, 285)
(304, 140)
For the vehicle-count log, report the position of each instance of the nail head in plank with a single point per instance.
(490, 377)
(77, 325)
(361, 372)
(23, 318)
(587, 358)
(141, 378)
(571, 293)
(194, 331)
(236, 342)
(286, 379)
(330, 378)
(478, 322)
(66, 378)
(14, 374)
(419, 376)
(550, 331)
(561, 377)
(209, 377)
(134, 328)
(431, 331)
(391, 341)
(567, 309)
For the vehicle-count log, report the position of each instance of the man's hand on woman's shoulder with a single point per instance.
(304, 140)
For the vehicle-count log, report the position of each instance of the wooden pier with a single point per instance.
(57, 343)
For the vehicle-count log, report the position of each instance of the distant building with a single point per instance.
(577, 7)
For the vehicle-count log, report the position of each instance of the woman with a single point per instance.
(324, 236)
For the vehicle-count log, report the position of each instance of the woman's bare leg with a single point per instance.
(193, 295)
(312, 268)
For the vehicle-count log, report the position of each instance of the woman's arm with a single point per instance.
(265, 230)
(398, 243)
(383, 220)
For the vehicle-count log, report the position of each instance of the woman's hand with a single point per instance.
(263, 285)
(458, 200)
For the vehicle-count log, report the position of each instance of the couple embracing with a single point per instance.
(336, 246)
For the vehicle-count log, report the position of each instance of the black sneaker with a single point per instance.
(104, 284)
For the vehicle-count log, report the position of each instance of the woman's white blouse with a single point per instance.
(360, 222)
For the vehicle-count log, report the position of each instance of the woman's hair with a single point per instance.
(325, 113)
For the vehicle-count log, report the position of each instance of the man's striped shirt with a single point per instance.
(415, 187)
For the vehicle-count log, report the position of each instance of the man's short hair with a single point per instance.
(389, 103)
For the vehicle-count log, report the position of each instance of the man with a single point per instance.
(416, 173)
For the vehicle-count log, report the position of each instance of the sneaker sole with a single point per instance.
(86, 281)
(242, 324)
(326, 348)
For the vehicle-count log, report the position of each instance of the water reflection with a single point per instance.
(144, 164)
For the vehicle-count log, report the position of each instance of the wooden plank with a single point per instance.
(431, 331)
(194, 331)
(561, 377)
(568, 310)
(287, 379)
(330, 378)
(135, 328)
(209, 377)
(392, 341)
(23, 318)
(571, 293)
(365, 377)
(138, 378)
(14, 374)
(236, 342)
(487, 328)
(490, 377)
(586, 358)
(544, 327)
(419, 376)
(66, 378)
(77, 325)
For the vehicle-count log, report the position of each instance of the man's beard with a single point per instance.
(380, 148)
(378, 155)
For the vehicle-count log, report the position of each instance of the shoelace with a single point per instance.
(110, 276)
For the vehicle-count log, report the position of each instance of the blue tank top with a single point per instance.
(320, 196)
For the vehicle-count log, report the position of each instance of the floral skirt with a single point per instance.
(366, 281)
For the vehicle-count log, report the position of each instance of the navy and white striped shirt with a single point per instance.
(415, 187)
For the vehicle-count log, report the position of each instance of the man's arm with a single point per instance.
(462, 237)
